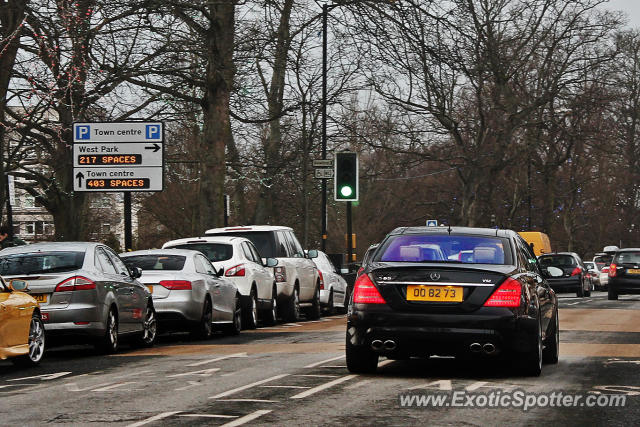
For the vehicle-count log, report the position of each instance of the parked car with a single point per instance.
(297, 278)
(85, 292)
(624, 273)
(602, 260)
(498, 305)
(574, 277)
(333, 288)
(242, 264)
(366, 258)
(594, 274)
(21, 329)
(537, 241)
(187, 291)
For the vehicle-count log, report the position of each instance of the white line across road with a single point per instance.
(247, 418)
(207, 416)
(249, 400)
(313, 365)
(154, 418)
(248, 386)
(325, 386)
(217, 359)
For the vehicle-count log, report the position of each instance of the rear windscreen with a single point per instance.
(214, 251)
(558, 261)
(603, 260)
(445, 249)
(156, 262)
(40, 262)
(262, 240)
(627, 258)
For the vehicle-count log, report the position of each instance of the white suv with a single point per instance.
(296, 275)
(241, 263)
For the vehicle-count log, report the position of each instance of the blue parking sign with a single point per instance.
(432, 223)
(153, 132)
(83, 132)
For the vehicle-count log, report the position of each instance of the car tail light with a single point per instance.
(365, 292)
(360, 270)
(75, 283)
(235, 271)
(507, 295)
(321, 277)
(605, 269)
(612, 270)
(280, 273)
(176, 285)
(576, 271)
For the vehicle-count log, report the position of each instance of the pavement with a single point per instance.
(295, 374)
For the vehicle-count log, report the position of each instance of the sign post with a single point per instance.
(119, 156)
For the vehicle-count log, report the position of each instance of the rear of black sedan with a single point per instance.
(624, 273)
(452, 291)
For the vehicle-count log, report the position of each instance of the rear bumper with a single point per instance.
(179, 305)
(569, 284)
(63, 321)
(441, 334)
(622, 285)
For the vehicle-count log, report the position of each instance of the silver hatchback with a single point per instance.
(188, 293)
(85, 291)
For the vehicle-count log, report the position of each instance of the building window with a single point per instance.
(16, 229)
(48, 228)
(29, 228)
(29, 201)
(106, 228)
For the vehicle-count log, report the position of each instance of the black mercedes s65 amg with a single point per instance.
(466, 292)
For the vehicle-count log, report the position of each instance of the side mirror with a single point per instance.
(135, 272)
(220, 272)
(553, 272)
(271, 262)
(18, 285)
(312, 253)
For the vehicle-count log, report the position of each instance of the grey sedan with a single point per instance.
(85, 291)
(187, 291)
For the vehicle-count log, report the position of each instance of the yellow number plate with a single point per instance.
(633, 271)
(41, 298)
(150, 288)
(434, 293)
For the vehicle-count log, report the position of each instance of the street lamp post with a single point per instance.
(325, 12)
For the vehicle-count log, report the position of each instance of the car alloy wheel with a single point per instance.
(271, 316)
(236, 323)
(204, 328)
(150, 327)
(36, 340)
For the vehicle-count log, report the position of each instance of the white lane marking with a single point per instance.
(207, 416)
(358, 384)
(245, 387)
(313, 365)
(444, 385)
(135, 374)
(154, 418)
(249, 400)
(217, 359)
(290, 325)
(202, 373)
(321, 387)
(114, 386)
(74, 387)
(284, 386)
(314, 376)
(44, 377)
(192, 384)
(247, 418)
(334, 366)
(228, 374)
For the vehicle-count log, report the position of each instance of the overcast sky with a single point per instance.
(631, 7)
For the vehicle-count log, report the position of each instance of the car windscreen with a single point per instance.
(557, 261)
(216, 252)
(40, 262)
(445, 249)
(262, 240)
(627, 258)
(155, 262)
(603, 260)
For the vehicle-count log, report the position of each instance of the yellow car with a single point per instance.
(21, 327)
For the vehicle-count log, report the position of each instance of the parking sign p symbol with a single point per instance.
(153, 132)
(83, 132)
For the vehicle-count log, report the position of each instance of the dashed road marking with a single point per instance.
(313, 365)
(217, 359)
(207, 416)
(44, 377)
(314, 376)
(248, 386)
(114, 386)
(247, 418)
(322, 387)
(201, 373)
(249, 400)
(154, 418)
(284, 386)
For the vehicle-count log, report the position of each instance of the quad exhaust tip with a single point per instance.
(390, 345)
(376, 344)
(489, 348)
(476, 347)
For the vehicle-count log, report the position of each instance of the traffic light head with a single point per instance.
(346, 177)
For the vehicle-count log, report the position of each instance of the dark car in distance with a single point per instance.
(575, 277)
(624, 273)
(494, 303)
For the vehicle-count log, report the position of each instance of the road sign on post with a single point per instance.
(118, 156)
(345, 180)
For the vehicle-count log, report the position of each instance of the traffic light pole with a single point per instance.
(325, 12)
(349, 235)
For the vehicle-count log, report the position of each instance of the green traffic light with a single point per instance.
(346, 191)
